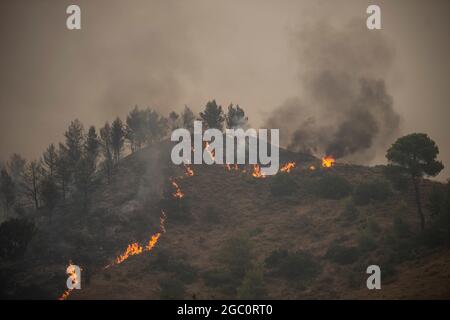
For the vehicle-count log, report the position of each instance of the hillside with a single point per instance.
(218, 204)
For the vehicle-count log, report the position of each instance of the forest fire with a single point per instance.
(135, 248)
(257, 172)
(328, 161)
(73, 275)
(288, 167)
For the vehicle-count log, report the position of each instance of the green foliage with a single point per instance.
(332, 186)
(282, 184)
(236, 256)
(15, 235)
(180, 270)
(171, 289)
(416, 153)
(376, 190)
(252, 286)
(342, 255)
(297, 266)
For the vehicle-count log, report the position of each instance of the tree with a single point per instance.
(235, 117)
(157, 126)
(416, 153)
(106, 147)
(31, 181)
(49, 193)
(117, 138)
(49, 159)
(74, 142)
(7, 189)
(136, 128)
(16, 167)
(213, 116)
(86, 166)
(174, 120)
(63, 170)
(187, 119)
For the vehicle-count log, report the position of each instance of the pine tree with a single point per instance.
(74, 142)
(7, 190)
(235, 117)
(136, 128)
(187, 119)
(117, 138)
(213, 116)
(49, 160)
(106, 147)
(63, 170)
(31, 181)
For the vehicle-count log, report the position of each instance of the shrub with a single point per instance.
(282, 184)
(377, 190)
(15, 235)
(350, 212)
(181, 270)
(341, 254)
(401, 229)
(236, 256)
(398, 178)
(366, 242)
(178, 208)
(219, 278)
(297, 266)
(171, 289)
(252, 286)
(332, 187)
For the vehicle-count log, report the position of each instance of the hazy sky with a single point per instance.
(165, 54)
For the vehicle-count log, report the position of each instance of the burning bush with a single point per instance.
(15, 234)
(283, 184)
(376, 190)
(297, 266)
(177, 207)
(332, 186)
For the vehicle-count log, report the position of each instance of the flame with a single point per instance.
(288, 167)
(257, 171)
(328, 161)
(178, 193)
(71, 272)
(135, 248)
(189, 171)
(312, 167)
(211, 154)
(228, 167)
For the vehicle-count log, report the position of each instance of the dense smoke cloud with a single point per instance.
(345, 109)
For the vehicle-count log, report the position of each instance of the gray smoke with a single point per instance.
(345, 109)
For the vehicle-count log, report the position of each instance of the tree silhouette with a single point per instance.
(416, 153)
(213, 116)
(106, 147)
(7, 190)
(49, 159)
(117, 138)
(235, 117)
(187, 119)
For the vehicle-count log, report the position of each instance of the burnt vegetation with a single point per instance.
(229, 232)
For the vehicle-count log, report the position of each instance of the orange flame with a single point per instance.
(135, 248)
(178, 193)
(257, 172)
(328, 161)
(189, 171)
(312, 168)
(73, 276)
(288, 167)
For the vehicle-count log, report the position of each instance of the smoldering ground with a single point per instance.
(344, 108)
